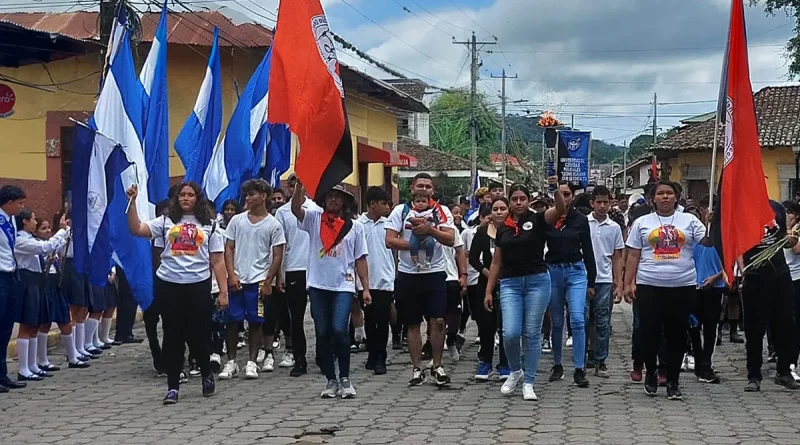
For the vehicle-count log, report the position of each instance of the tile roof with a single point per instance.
(778, 115)
(431, 159)
(413, 87)
(184, 28)
(497, 159)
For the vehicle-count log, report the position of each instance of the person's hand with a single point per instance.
(69, 223)
(488, 302)
(421, 230)
(111, 277)
(367, 297)
(707, 283)
(552, 180)
(62, 223)
(590, 293)
(462, 280)
(132, 192)
(280, 284)
(265, 291)
(791, 240)
(234, 283)
(618, 294)
(222, 300)
(630, 293)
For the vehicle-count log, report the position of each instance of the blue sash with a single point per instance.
(9, 231)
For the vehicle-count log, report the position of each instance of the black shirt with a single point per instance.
(523, 253)
(572, 243)
(480, 252)
(773, 233)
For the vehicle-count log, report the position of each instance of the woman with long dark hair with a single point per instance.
(192, 247)
(518, 263)
(660, 275)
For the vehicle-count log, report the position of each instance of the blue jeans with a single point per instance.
(568, 284)
(421, 242)
(523, 301)
(331, 313)
(600, 312)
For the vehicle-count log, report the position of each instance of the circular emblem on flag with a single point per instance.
(2, 219)
(94, 202)
(322, 33)
(7, 100)
(574, 144)
(527, 226)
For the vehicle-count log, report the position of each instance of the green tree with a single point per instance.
(450, 125)
(792, 9)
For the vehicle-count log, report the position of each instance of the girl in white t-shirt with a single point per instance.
(192, 247)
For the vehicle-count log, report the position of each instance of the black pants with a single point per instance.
(297, 298)
(277, 318)
(126, 308)
(664, 311)
(489, 324)
(377, 317)
(152, 315)
(768, 300)
(186, 311)
(472, 306)
(706, 307)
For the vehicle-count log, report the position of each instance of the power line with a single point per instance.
(470, 18)
(421, 18)
(440, 19)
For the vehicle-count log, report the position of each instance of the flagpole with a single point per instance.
(717, 123)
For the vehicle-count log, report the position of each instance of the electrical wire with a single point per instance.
(434, 27)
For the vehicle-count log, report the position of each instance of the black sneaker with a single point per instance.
(557, 373)
(427, 351)
(651, 384)
(299, 369)
(380, 368)
(209, 385)
(171, 398)
(418, 378)
(787, 381)
(753, 385)
(674, 392)
(440, 376)
(184, 378)
(371, 361)
(580, 378)
(708, 376)
(194, 370)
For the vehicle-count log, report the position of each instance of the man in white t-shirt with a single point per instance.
(422, 293)
(253, 254)
(608, 246)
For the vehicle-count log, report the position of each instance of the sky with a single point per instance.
(599, 62)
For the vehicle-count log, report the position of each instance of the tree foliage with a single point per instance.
(792, 9)
(450, 125)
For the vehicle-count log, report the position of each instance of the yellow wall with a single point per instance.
(770, 160)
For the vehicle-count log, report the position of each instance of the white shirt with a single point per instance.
(187, 251)
(28, 249)
(606, 239)
(451, 267)
(214, 283)
(793, 261)
(252, 255)
(295, 256)
(401, 226)
(667, 245)
(466, 237)
(7, 263)
(336, 269)
(380, 259)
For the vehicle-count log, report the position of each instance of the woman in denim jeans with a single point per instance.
(570, 258)
(524, 283)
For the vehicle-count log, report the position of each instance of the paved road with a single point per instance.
(118, 400)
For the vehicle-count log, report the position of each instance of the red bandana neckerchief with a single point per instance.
(329, 229)
(509, 222)
(561, 221)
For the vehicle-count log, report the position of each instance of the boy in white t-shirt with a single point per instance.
(253, 253)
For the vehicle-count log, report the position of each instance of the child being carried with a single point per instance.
(421, 213)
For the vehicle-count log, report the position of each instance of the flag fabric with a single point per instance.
(476, 184)
(198, 138)
(118, 115)
(573, 156)
(306, 92)
(278, 154)
(742, 171)
(117, 30)
(156, 114)
(98, 163)
(653, 169)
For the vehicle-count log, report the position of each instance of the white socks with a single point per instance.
(22, 357)
(90, 326)
(105, 330)
(79, 335)
(32, 366)
(96, 339)
(41, 348)
(68, 341)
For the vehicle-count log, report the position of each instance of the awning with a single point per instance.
(368, 154)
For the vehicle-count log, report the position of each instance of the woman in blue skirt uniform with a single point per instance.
(111, 307)
(75, 288)
(33, 304)
(58, 309)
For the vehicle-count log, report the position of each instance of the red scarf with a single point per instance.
(329, 229)
(509, 222)
(561, 221)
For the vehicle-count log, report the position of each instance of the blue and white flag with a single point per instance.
(278, 153)
(117, 30)
(118, 115)
(98, 162)
(196, 141)
(573, 156)
(156, 114)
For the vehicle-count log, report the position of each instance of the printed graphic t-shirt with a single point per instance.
(667, 245)
(187, 251)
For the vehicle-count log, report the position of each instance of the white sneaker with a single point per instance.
(230, 371)
(511, 383)
(276, 344)
(528, 393)
(794, 374)
(454, 354)
(251, 371)
(569, 342)
(261, 354)
(269, 363)
(331, 390)
(347, 390)
(215, 358)
(288, 360)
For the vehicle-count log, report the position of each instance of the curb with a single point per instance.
(54, 336)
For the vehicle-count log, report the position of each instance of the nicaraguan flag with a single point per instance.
(196, 141)
(278, 153)
(98, 162)
(156, 114)
(118, 115)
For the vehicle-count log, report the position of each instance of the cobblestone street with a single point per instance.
(118, 400)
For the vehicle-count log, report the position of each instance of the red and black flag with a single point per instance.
(306, 92)
(734, 233)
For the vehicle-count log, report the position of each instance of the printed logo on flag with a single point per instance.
(93, 202)
(322, 33)
(574, 145)
(728, 157)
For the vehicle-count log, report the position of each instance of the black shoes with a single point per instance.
(299, 369)
(78, 365)
(31, 378)
(130, 340)
(651, 384)
(753, 385)
(580, 378)
(372, 359)
(49, 367)
(12, 385)
(787, 381)
(674, 392)
(557, 373)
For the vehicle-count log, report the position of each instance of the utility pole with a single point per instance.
(472, 44)
(625, 169)
(572, 124)
(503, 100)
(655, 131)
